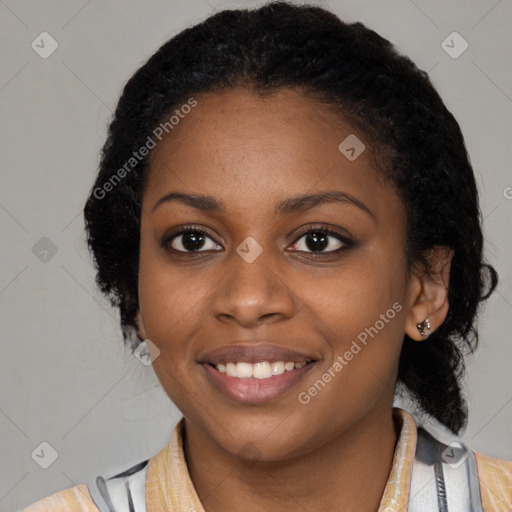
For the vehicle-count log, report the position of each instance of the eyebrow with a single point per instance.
(285, 207)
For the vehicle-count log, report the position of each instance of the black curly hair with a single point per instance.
(361, 76)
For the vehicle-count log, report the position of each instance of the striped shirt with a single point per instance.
(170, 489)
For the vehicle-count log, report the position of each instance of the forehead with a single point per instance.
(231, 124)
(237, 145)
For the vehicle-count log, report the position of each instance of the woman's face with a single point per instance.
(257, 288)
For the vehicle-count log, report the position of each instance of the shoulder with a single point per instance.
(495, 477)
(484, 480)
(122, 491)
(76, 499)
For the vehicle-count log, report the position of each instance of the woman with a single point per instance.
(287, 218)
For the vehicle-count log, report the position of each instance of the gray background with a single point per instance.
(65, 376)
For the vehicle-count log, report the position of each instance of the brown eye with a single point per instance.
(190, 240)
(322, 240)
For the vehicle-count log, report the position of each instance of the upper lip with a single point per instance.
(253, 354)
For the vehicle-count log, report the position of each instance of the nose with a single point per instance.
(254, 293)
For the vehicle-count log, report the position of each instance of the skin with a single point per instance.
(336, 452)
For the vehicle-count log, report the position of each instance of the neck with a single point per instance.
(347, 473)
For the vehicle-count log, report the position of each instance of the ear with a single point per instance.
(428, 292)
(141, 331)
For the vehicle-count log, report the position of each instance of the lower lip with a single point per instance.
(252, 390)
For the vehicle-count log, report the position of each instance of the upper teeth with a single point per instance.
(261, 370)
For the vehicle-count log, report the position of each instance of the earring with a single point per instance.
(424, 328)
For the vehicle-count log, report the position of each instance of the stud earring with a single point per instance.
(424, 328)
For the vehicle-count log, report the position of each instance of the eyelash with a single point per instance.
(347, 242)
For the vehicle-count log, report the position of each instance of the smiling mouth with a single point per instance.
(257, 383)
(260, 370)
(256, 372)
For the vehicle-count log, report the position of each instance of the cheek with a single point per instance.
(168, 298)
(364, 318)
(169, 305)
(362, 293)
(364, 312)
